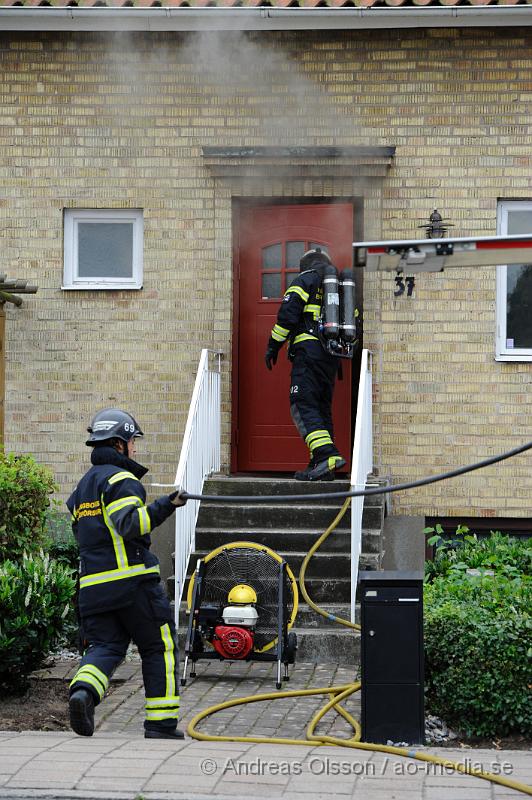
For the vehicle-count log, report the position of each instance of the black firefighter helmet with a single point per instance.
(314, 259)
(112, 423)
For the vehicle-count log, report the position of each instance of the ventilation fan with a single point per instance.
(242, 602)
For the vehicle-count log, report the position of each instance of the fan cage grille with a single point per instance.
(256, 568)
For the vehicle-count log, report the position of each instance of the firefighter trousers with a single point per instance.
(311, 394)
(148, 622)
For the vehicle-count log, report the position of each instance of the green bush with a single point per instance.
(477, 635)
(36, 596)
(62, 544)
(25, 489)
(63, 547)
(497, 552)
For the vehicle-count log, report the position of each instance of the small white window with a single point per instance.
(103, 249)
(514, 288)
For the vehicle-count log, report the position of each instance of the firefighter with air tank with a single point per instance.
(318, 319)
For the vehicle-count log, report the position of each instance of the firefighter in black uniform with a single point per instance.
(120, 596)
(314, 370)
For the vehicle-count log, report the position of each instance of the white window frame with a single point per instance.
(72, 218)
(504, 353)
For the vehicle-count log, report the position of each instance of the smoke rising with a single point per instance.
(252, 88)
(268, 84)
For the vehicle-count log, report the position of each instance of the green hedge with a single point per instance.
(36, 596)
(478, 634)
(25, 489)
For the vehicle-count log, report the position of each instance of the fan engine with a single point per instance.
(232, 642)
(235, 638)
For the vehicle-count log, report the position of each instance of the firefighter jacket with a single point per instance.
(112, 525)
(299, 314)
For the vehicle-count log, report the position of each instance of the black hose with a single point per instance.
(399, 487)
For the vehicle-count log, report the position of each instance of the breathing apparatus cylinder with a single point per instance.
(347, 308)
(331, 303)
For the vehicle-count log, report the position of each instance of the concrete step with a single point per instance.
(281, 515)
(308, 618)
(287, 540)
(246, 486)
(328, 645)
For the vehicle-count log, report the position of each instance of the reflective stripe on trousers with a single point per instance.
(148, 622)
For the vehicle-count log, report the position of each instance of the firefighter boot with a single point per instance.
(304, 474)
(81, 707)
(324, 470)
(161, 733)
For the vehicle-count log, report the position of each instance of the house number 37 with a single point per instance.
(404, 284)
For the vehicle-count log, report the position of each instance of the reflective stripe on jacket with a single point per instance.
(300, 310)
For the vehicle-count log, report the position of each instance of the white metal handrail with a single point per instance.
(200, 457)
(361, 465)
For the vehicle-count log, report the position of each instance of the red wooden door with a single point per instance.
(272, 240)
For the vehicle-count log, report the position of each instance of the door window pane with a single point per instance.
(294, 251)
(272, 257)
(290, 278)
(323, 247)
(271, 285)
(105, 250)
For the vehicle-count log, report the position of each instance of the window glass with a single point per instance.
(105, 249)
(519, 288)
(272, 257)
(514, 288)
(290, 278)
(271, 285)
(519, 306)
(322, 247)
(519, 222)
(294, 251)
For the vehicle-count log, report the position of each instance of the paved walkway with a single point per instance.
(117, 763)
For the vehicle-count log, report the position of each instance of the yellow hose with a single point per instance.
(303, 570)
(337, 695)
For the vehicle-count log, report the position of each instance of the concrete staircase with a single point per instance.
(291, 529)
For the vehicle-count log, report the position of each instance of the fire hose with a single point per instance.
(338, 694)
(397, 487)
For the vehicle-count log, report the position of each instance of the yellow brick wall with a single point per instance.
(118, 121)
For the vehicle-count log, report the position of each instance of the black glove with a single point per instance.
(177, 498)
(270, 357)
